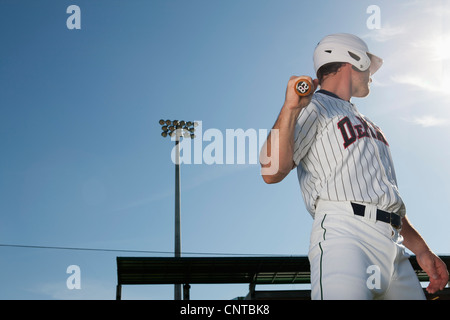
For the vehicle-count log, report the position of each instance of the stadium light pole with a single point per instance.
(178, 129)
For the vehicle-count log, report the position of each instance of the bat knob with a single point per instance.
(303, 86)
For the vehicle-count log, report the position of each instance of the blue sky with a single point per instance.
(84, 165)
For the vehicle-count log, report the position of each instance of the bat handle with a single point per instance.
(304, 86)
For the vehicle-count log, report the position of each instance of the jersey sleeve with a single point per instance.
(305, 132)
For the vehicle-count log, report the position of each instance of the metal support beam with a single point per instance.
(119, 292)
(251, 290)
(186, 294)
(177, 289)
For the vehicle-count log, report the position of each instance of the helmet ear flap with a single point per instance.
(357, 58)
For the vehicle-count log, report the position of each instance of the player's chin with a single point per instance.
(363, 92)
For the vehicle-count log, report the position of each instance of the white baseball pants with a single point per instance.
(358, 258)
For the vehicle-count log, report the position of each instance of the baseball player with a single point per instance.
(348, 182)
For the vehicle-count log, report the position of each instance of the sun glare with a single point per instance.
(440, 48)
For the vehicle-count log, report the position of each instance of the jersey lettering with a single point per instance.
(351, 133)
(347, 131)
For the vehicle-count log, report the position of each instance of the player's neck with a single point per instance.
(339, 83)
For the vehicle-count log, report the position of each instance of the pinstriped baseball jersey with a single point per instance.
(342, 156)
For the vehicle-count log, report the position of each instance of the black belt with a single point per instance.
(393, 219)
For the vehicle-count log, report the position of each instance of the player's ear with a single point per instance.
(316, 84)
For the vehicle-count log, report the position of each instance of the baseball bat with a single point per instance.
(303, 86)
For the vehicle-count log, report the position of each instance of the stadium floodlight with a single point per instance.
(177, 129)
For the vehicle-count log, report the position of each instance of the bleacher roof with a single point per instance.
(257, 270)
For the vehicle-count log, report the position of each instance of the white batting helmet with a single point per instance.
(344, 47)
